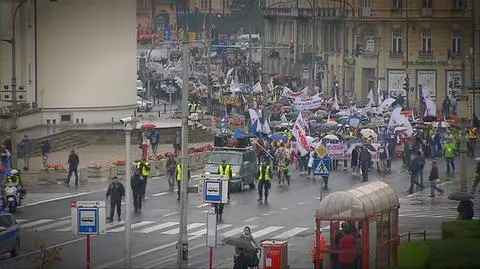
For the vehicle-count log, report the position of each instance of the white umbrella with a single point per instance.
(400, 129)
(368, 132)
(441, 124)
(331, 137)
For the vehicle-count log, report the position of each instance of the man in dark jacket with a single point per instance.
(240, 260)
(365, 158)
(116, 191)
(171, 166)
(433, 179)
(137, 189)
(415, 166)
(73, 162)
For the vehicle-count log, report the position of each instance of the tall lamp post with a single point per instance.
(12, 42)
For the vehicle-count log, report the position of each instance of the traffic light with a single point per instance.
(359, 50)
(406, 85)
(292, 47)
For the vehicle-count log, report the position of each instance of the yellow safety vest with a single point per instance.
(225, 171)
(267, 173)
(145, 169)
(473, 133)
(179, 172)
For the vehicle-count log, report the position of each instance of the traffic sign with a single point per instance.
(215, 191)
(322, 151)
(322, 166)
(88, 217)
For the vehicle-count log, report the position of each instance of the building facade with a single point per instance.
(76, 69)
(364, 45)
(428, 41)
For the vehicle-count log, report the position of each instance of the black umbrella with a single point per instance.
(238, 242)
(460, 196)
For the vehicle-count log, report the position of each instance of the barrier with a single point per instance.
(120, 169)
(94, 172)
(160, 166)
(53, 175)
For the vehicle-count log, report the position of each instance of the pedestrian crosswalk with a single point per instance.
(171, 228)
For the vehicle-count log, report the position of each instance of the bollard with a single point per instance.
(164, 108)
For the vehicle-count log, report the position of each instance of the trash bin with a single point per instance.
(275, 254)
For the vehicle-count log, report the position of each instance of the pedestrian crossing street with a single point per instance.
(171, 228)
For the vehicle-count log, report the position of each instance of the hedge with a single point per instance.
(461, 229)
(459, 253)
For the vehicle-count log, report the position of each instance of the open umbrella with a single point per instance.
(238, 242)
(331, 137)
(400, 129)
(441, 124)
(278, 137)
(368, 132)
(149, 126)
(460, 196)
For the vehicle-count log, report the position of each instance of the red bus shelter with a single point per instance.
(369, 212)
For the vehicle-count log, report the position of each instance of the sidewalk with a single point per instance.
(90, 155)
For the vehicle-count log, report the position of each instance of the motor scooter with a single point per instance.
(12, 197)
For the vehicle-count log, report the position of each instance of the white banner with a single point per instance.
(396, 78)
(287, 92)
(428, 80)
(313, 102)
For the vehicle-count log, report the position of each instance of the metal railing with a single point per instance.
(409, 236)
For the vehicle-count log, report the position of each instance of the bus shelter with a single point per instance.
(369, 212)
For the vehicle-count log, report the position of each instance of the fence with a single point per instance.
(409, 236)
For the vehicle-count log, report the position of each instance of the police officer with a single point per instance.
(225, 170)
(116, 191)
(264, 177)
(179, 179)
(144, 167)
(138, 184)
(14, 178)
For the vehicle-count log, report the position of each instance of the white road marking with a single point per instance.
(284, 208)
(133, 226)
(66, 217)
(290, 233)
(35, 223)
(158, 227)
(159, 194)
(66, 229)
(52, 225)
(250, 219)
(171, 214)
(21, 220)
(61, 198)
(265, 214)
(236, 231)
(301, 203)
(202, 206)
(189, 227)
(204, 230)
(266, 231)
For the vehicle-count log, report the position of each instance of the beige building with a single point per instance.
(430, 42)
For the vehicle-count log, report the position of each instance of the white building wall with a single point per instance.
(86, 59)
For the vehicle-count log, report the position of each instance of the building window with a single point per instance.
(369, 48)
(397, 4)
(426, 3)
(458, 4)
(205, 3)
(456, 43)
(367, 3)
(426, 43)
(397, 42)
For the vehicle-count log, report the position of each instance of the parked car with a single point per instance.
(144, 105)
(9, 235)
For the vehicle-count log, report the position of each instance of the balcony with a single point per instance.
(425, 53)
(427, 12)
(396, 54)
(323, 13)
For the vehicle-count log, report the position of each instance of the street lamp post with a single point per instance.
(127, 127)
(12, 42)
(463, 157)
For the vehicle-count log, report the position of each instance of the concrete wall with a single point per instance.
(86, 59)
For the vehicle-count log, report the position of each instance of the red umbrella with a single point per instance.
(149, 126)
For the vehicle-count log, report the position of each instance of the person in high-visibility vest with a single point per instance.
(317, 256)
(225, 170)
(179, 177)
(264, 178)
(472, 137)
(144, 167)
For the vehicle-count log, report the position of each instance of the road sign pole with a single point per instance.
(89, 249)
(211, 258)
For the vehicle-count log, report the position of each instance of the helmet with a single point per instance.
(13, 172)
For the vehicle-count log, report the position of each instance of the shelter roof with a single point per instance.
(365, 200)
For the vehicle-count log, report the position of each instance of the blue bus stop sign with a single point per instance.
(322, 166)
(213, 191)
(88, 221)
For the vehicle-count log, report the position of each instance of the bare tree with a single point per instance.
(45, 257)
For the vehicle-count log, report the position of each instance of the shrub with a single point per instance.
(459, 253)
(413, 255)
(461, 229)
